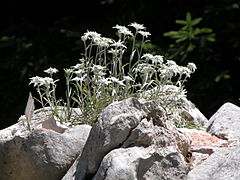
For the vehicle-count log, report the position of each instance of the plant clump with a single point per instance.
(109, 71)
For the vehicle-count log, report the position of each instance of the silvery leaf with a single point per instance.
(29, 110)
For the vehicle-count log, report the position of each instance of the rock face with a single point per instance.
(221, 165)
(132, 140)
(224, 159)
(41, 153)
(194, 115)
(141, 163)
(225, 123)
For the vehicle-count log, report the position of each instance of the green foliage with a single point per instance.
(188, 37)
(222, 76)
(191, 125)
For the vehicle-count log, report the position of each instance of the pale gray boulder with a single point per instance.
(197, 158)
(223, 164)
(149, 153)
(135, 127)
(41, 153)
(225, 123)
(135, 163)
(193, 114)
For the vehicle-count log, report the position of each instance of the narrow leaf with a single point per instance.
(132, 55)
(188, 17)
(196, 21)
(29, 110)
(181, 22)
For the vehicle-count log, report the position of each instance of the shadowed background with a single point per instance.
(35, 35)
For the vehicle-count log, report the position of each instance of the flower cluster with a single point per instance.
(41, 81)
(103, 75)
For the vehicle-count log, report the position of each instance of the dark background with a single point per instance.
(37, 34)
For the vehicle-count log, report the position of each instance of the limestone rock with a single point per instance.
(41, 153)
(129, 134)
(194, 115)
(202, 139)
(221, 165)
(197, 159)
(225, 123)
(141, 163)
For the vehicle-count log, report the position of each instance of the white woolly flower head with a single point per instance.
(48, 81)
(123, 30)
(157, 59)
(102, 41)
(186, 71)
(147, 56)
(137, 26)
(98, 68)
(192, 67)
(79, 79)
(104, 81)
(79, 72)
(36, 81)
(128, 78)
(79, 66)
(51, 70)
(116, 80)
(144, 33)
(118, 44)
(171, 63)
(40, 81)
(68, 71)
(90, 35)
(114, 51)
(145, 68)
(76, 79)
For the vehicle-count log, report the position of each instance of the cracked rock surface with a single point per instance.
(225, 123)
(39, 154)
(132, 140)
(223, 164)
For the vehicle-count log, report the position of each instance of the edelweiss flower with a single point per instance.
(157, 59)
(51, 70)
(79, 72)
(36, 81)
(90, 35)
(186, 71)
(174, 69)
(39, 81)
(144, 33)
(79, 79)
(114, 51)
(123, 30)
(118, 44)
(147, 56)
(79, 66)
(113, 79)
(137, 26)
(104, 81)
(127, 78)
(47, 81)
(102, 41)
(97, 68)
(192, 67)
(171, 63)
(68, 71)
(145, 68)
(76, 79)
